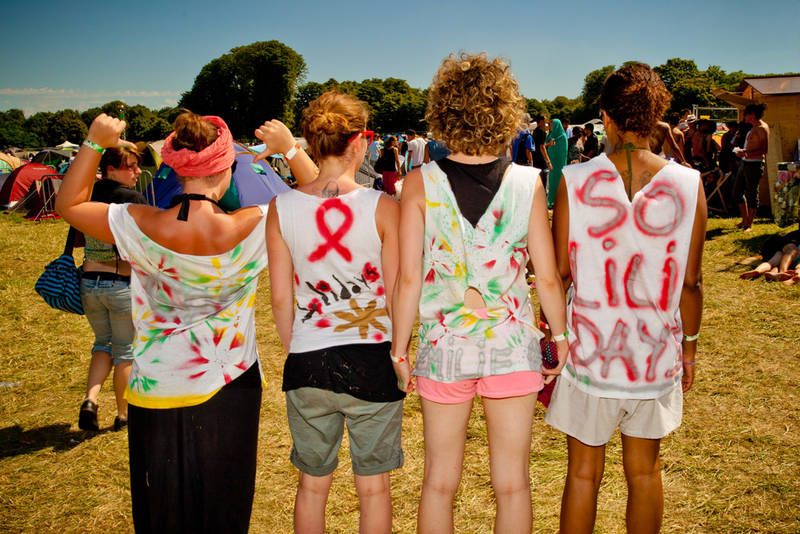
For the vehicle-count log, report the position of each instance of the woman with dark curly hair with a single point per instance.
(629, 230)
(471, 222)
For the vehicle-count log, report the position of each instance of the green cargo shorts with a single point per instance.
(316, 421)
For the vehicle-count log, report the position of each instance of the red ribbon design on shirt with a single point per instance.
(332, 240)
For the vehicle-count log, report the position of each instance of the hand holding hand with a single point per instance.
(276, 136)
(563, 351)
(105, 131)
(405, 381)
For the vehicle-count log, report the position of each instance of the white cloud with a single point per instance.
(32, 99)
(82, 93)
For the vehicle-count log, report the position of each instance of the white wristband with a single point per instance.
(292, 151)
(398, 359)
(562, 337)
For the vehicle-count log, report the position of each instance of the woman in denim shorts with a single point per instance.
(105, 292)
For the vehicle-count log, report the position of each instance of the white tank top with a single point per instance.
(339, 289)
(628, 261)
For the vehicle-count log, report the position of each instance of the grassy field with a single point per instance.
(734, 465)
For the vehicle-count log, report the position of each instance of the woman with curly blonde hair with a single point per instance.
(471, 222)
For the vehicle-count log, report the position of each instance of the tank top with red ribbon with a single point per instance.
(339, 289)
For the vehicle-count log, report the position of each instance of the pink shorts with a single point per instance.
(493, 387)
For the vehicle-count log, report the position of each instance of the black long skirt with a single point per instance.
(193, 469)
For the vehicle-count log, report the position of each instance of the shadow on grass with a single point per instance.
(715, 232)
(752, 244)
(15, 441)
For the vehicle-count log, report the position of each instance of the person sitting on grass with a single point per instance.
(784, 257)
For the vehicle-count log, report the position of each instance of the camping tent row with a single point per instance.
(32, 188)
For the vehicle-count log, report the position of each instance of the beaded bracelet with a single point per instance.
(690, 363)
(94, 146)
(398, 359)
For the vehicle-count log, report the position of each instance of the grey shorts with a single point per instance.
(593, 420)
(316, 421)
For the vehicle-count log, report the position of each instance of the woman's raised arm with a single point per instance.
(73, 200)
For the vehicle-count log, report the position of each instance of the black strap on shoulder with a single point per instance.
(183, 200)
(70, 244)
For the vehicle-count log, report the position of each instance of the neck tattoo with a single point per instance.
(331, 190)
(629, 147)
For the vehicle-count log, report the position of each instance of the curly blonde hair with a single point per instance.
(330, 121)
(474, 104)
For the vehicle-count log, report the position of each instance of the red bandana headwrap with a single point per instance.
(212, 160)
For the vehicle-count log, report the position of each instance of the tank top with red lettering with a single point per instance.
(628, 261)
(338, 279)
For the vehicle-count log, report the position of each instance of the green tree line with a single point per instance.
(264, 80)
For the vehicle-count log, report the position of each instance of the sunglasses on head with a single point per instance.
(369, 135)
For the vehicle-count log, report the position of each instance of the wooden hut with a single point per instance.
(781, 94)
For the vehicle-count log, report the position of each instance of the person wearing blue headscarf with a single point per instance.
(556, 143)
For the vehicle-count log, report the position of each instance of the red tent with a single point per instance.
(19, 182)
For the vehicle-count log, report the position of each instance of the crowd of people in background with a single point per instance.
(347, 287)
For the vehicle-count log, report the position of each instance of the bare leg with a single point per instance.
(445, 432)
(509, 422)
(375, 498)
(751, 216)
(743, 213)
(763, 268)
(309, 504)
(645, 494)
(793, 280)
(122, 372)
(584, 473)
(99, 369)
(789, 254)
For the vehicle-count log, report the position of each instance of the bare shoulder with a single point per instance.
(142, 212)
(413, 186)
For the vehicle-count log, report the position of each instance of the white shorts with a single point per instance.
(593, 420)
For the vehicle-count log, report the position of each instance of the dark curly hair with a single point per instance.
(474, 104)
(635, 98)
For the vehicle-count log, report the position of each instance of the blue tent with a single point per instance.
(252, 183)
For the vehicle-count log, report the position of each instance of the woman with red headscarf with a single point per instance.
(195, 385)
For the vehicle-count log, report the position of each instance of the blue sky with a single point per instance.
(86, 53)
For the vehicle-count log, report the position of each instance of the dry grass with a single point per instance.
(732, 467)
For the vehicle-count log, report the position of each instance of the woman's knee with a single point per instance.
(372, 486)
(511, 483)
(318, 486)
(441, 482)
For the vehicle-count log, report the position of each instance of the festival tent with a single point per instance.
(66, 145)
(19, 182)
(252, 183)
(40, 200)
(52, 156)
(9, 163)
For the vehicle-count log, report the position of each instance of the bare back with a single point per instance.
(207, 231)
(677, 134)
